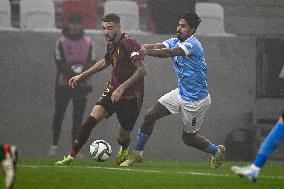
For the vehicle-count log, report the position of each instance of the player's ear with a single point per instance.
(118, 25)
(192, 30)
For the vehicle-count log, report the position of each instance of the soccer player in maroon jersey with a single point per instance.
(124, 92)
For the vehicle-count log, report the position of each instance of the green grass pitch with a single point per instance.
(35, 173)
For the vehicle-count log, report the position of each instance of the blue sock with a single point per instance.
(141, 140)
(212, 148)
(271, 142)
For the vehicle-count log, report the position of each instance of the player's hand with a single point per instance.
(142, 51)
(117, 94)
(73, 82)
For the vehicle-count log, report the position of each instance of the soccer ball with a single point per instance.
(100, 150)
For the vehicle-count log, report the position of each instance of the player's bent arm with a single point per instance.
(154, 46)
(100, 65)
(139, 73)
(165, 52)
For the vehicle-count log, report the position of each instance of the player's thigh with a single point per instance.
(193, 114)
(171, 101)
(104, 107)
(128, 112)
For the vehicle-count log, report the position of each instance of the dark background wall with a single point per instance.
(256, 17)
(242, 17)
(166, 13)
(27, 76)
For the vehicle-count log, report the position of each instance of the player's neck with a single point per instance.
(187, 38)
(118, 37)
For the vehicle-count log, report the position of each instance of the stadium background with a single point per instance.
(238, 68)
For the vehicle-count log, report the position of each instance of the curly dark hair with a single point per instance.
(192, 19)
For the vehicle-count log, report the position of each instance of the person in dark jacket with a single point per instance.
(74, 53)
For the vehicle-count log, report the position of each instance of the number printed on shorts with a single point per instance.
(105, 92)
(193, 123)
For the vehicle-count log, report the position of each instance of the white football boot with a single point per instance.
(247, 172)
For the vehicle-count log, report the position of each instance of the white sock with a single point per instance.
(69, 156)
(125, 149)
(139, 152)
(255, 168)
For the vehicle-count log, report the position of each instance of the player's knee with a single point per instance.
(123, 142)
(128, 126)
(150, 116)
(189, 138)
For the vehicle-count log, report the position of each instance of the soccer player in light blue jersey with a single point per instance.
(271, 143)
(190, 98)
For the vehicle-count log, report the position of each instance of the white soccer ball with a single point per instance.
(100, 150)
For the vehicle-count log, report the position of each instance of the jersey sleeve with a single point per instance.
(187, 47)
(169, 43)
(133, 47)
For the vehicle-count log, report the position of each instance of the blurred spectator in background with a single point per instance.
(74, 53)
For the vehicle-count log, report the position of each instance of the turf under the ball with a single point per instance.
(35, 173)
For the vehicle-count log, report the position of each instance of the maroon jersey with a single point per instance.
(122, 56)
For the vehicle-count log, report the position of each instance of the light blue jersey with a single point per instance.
(191, 70)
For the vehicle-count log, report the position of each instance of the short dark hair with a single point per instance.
(75, 18)
(192, 19)
(112, 17)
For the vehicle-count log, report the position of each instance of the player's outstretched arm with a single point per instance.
(100, 65)
(139, 73)
(164, 52)
(154, 46)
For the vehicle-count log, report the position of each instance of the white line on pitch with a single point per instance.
(142, 170)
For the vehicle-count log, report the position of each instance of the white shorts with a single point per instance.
(192, 112)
